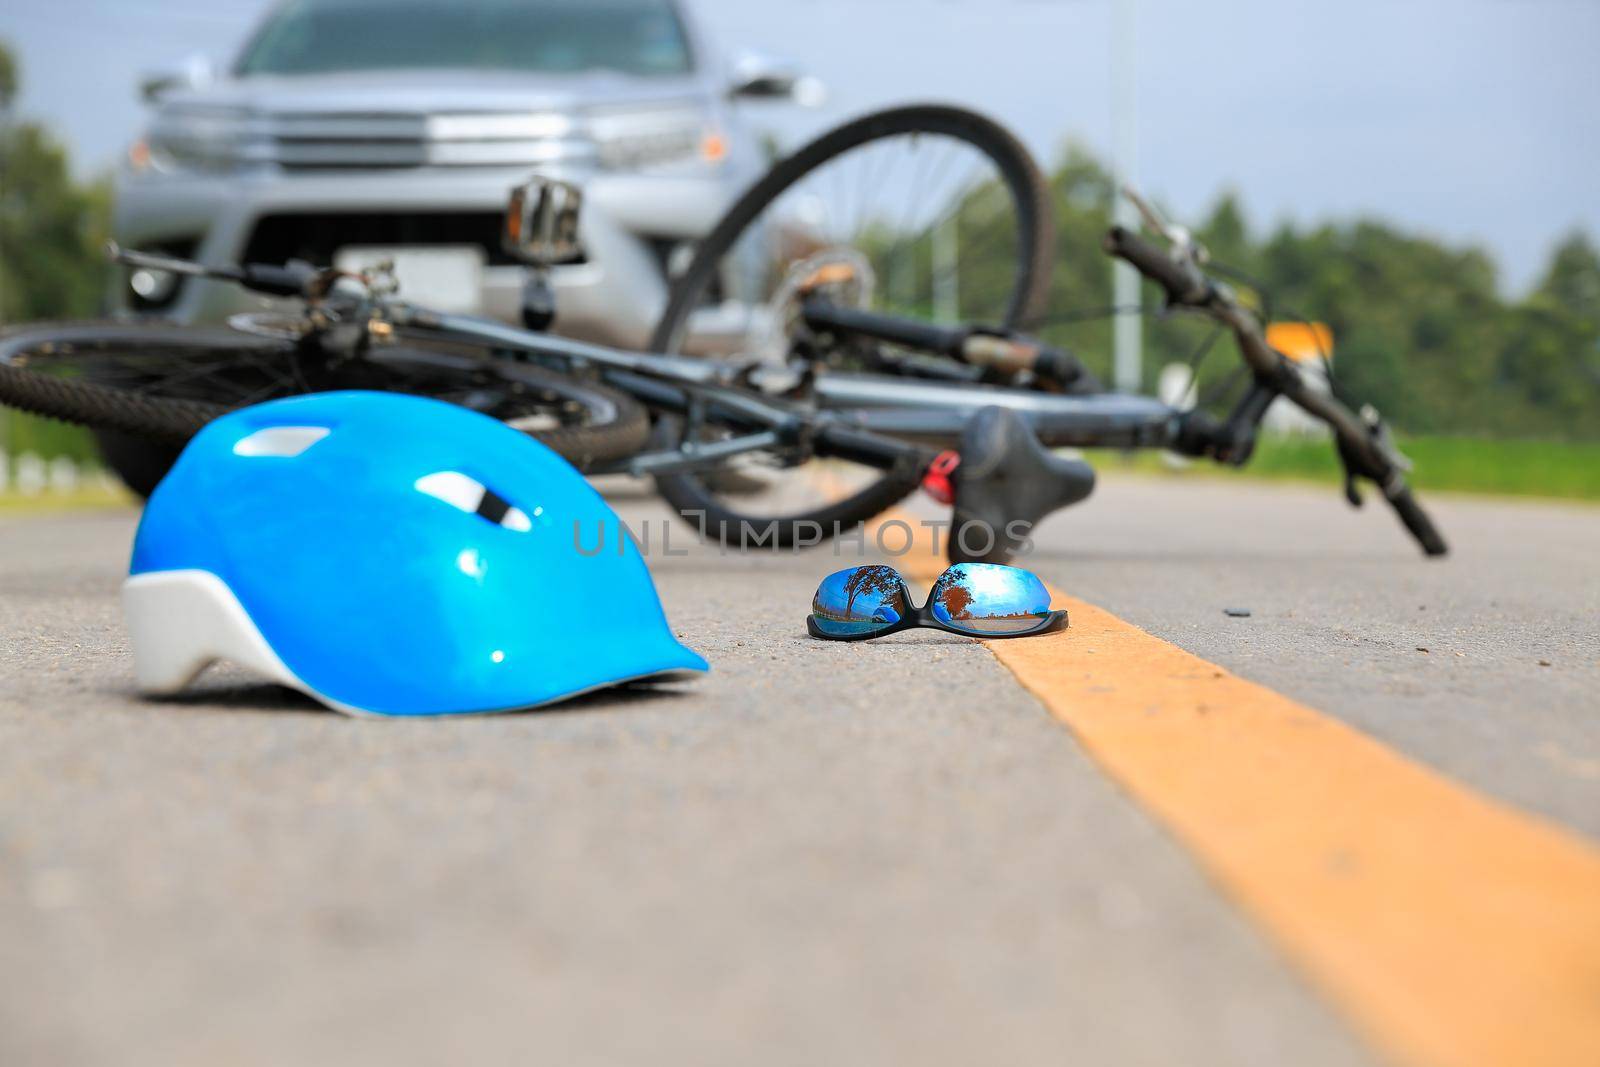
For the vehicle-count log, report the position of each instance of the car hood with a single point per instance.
(436, 92)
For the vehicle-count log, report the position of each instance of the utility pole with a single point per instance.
(1126, 326)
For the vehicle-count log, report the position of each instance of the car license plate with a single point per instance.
(441, 277)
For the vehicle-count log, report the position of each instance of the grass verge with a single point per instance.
(89, 498)
(1556, 469)
(1551, 469)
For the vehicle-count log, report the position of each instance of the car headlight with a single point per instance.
(640, 140)
(200, 138)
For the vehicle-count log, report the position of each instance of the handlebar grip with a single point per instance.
(1416, 520)
(1184, 285)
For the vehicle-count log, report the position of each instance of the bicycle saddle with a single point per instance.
(1006, 482)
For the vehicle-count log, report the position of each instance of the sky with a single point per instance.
(1474, 121)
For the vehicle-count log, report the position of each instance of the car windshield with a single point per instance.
(642, 37)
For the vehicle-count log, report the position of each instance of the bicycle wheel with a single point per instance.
(160, 383)
(933, 211)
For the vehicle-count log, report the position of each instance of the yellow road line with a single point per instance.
(1453, 930)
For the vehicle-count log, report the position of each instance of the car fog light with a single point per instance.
(152, 286)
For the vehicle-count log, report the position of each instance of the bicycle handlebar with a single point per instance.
(1416, 520)
(289, 279)
(1361, 447)
(1183, 282)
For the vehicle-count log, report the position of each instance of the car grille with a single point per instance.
(315, 238)
(348, 140)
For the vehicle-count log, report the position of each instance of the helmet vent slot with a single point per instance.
(279, 441)
(472, 496)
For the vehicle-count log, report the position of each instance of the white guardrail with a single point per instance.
(30, 474)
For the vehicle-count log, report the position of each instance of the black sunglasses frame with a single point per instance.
(922, 617)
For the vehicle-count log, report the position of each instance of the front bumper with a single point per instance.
(614, 297)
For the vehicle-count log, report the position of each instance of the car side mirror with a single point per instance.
(541, 222)
(194, 72)
(757, 76)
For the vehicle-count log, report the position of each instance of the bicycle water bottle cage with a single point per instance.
(1005, 483)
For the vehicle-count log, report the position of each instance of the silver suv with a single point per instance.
(352, 130)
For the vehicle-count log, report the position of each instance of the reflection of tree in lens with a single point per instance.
(955, 598)
(991, 599)
(884, 582)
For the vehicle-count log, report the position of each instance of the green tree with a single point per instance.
(51, 227)
(51, 232)
(1572, 281)
(1227, 235)
(1421, 329)
(8, 77)
(1551, 352)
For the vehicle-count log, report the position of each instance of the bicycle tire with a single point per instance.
(619, 426)
(687, 493)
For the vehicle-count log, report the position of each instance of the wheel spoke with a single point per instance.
(906, 186)
(167, 370)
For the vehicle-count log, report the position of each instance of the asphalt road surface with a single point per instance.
(819, 853)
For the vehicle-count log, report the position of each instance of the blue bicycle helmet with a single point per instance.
(391, 555)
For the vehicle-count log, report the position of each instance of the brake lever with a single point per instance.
(295, 278)
(169, 264)
(1184, 245)
(1383, 442)
(1152, 217)
(1352, 488)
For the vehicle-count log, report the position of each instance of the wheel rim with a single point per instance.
(931, 214)
(941, 232)
(232, 370)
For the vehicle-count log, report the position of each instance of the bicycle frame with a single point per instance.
(880, 420)
(689, 387)
(921, 413)
(890, 423)
(881, 408)
(931, 414)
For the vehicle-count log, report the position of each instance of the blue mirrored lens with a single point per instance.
(989, 598)
(860, 600)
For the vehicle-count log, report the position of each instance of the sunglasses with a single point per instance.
(971, 599)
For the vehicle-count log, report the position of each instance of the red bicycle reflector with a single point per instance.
(936, 482)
